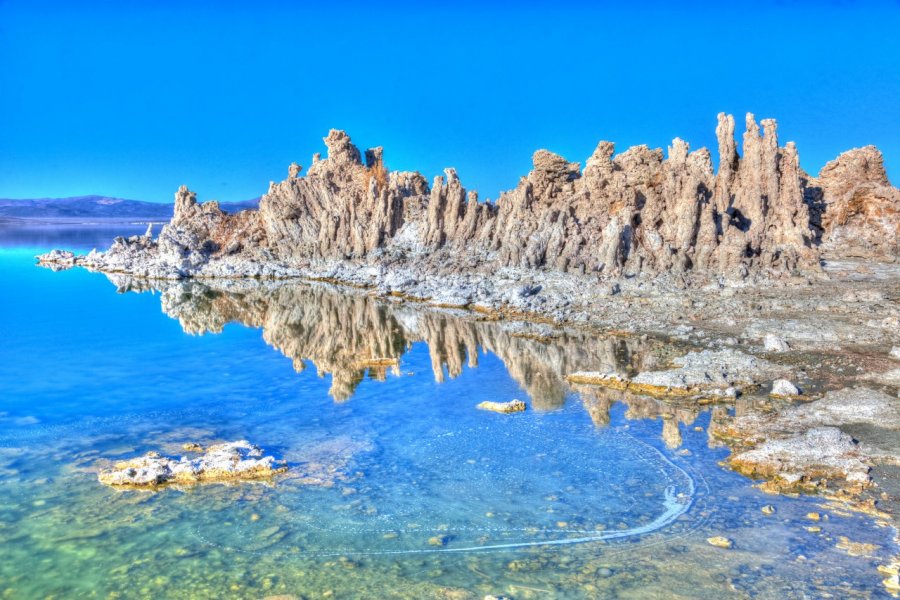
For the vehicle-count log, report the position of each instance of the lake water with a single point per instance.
(399, 487)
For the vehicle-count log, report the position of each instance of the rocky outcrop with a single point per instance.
(640, 215)
(223, 462)
(341, 209)
(513, 406)
(856, 210)
(805, 447)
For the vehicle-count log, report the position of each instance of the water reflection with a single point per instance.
(353, 335)
(76, 237)
(397, 493)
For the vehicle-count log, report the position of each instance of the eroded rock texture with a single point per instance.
(855, 208)
(636, 213)
(342, 208)
(233, 461)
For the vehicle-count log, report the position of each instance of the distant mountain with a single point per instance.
(79, 208)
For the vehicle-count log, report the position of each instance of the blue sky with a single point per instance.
(135, 99)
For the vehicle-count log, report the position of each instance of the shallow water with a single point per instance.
(398, 486)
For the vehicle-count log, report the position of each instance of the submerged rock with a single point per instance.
(233, 461)
(720, 542)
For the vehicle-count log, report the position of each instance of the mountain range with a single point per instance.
(93, 208)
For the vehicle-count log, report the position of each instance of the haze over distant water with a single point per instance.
(80, 208)
(135, 100)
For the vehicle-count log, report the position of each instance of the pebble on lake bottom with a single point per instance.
(720, 542)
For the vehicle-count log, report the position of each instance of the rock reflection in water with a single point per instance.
(349, 334)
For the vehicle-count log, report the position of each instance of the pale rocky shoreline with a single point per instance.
(767, 273)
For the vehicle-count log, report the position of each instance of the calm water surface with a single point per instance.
(398, 488)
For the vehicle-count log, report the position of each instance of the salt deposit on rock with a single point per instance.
(223, 462)
(804, 448)
(806, 461)
(784, 388)
(773, 343)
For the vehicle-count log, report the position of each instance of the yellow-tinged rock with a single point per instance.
(855, 548)
(892, 583)
(720, 542)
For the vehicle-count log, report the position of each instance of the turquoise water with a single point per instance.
(398, 486)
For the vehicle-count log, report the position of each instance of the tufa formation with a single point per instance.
(638, 213)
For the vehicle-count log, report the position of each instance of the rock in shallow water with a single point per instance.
(804, 461)
(720, 542)
(239, 460)
(513, 406)
(803, 447)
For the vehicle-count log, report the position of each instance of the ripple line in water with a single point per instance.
(675, 503)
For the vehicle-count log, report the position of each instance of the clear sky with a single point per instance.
(134, 99)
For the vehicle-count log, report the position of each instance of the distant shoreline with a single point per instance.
(78, 221)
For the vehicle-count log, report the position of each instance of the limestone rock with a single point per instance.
(664, 217)
(855, 208)
(513, 406)
(784, 389)
(57, 260)
(806, 460)
(223, 462)
(803, 447)
(710, 373)
(774, 343)
(720, 542)
(699, 372)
